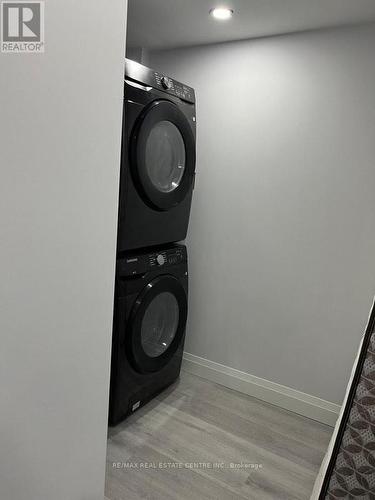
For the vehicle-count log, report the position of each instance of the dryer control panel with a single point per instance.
(149, 77)
(142, 263)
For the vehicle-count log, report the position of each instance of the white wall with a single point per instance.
(60, 127)
(281, 238)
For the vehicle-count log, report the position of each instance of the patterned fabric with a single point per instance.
(353, 476)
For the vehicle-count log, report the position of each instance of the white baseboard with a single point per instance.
(276, 394)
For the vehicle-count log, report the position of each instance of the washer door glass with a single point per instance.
(156, 326)
(159, 324)
(165, 156)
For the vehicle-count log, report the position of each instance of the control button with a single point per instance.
(160, 259)
(166, 82)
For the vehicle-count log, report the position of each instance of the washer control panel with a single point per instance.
(167, 257)
(135, 264)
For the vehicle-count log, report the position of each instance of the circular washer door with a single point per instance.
(157, 324)
(163, 155)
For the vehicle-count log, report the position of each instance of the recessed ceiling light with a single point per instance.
(221, 13)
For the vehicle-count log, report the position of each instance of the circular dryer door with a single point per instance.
(163, 155)
(157, 324)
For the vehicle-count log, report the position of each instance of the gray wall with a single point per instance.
(281, 239)
(60, 127)
(134, 53)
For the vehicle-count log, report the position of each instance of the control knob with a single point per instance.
(160, 259)
(166, 82)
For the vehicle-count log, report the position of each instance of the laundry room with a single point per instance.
(278, 244)
(187, 259)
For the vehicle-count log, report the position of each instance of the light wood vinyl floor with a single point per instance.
(196, 429)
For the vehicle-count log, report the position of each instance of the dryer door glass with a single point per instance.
(162, 150)
(159, 325)
(165, 156)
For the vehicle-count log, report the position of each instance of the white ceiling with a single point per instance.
(158, 24)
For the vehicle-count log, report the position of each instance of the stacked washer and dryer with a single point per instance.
(156, 186)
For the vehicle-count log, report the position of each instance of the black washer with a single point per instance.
(149, 321)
